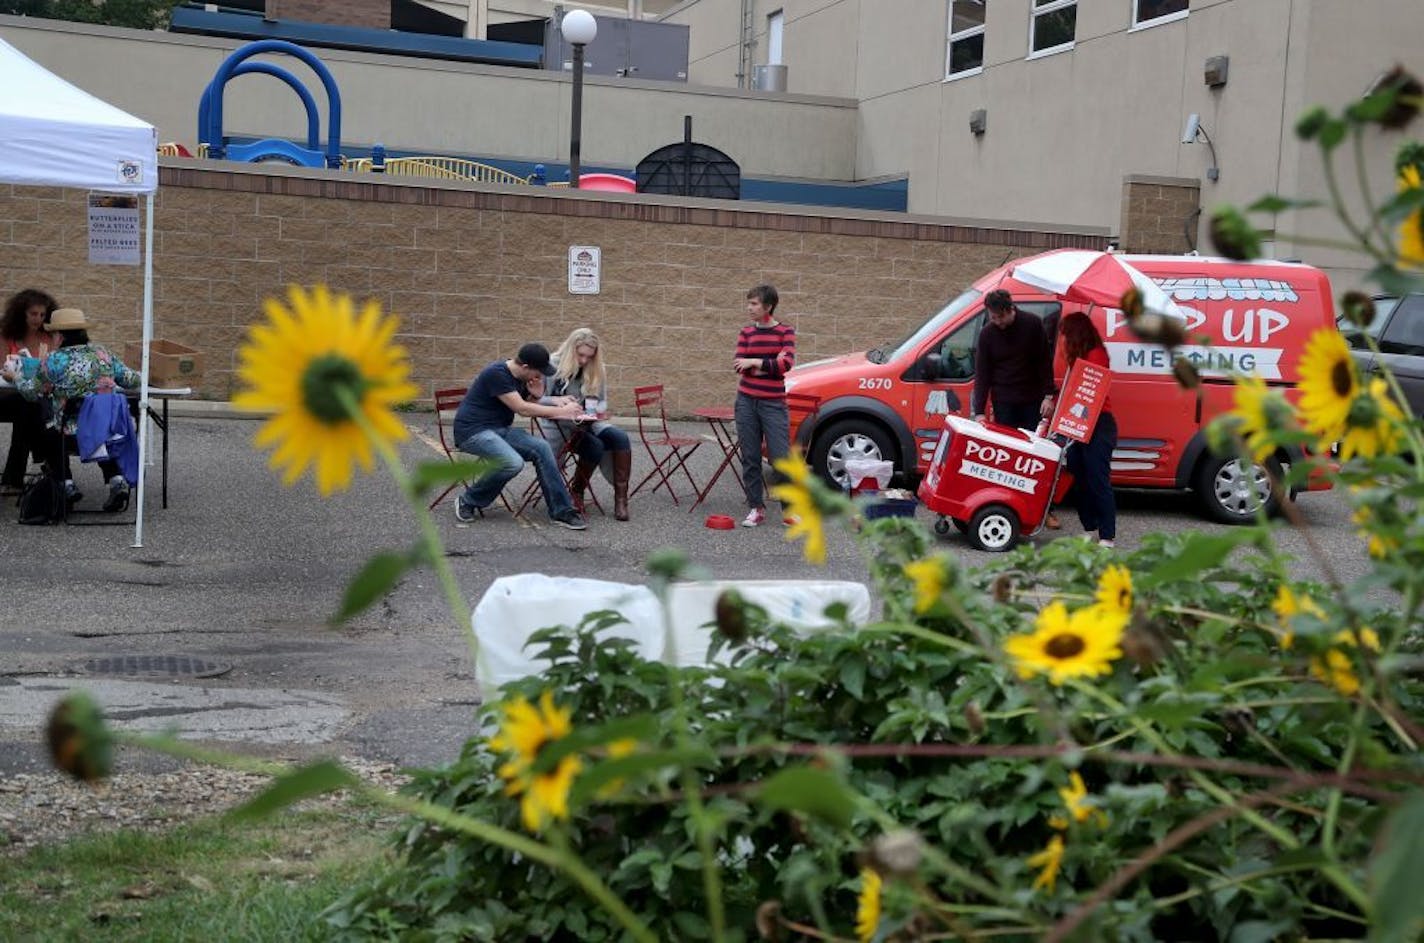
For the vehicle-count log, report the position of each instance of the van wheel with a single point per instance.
(1232, 492)
(846, 440)
(994, 528)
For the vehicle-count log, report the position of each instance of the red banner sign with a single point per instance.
(1081, 402)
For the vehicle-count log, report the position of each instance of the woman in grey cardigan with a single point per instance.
(579, 374)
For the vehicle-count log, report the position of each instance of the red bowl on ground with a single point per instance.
(720, 522)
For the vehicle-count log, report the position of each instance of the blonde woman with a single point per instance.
(579, 375)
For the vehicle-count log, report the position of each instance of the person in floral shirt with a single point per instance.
(77, 369)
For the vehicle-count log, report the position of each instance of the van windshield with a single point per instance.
(889, 352)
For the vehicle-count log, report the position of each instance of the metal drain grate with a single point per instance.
(167, 666)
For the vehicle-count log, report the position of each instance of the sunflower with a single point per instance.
(1050, 860)
(1328, 384)
(801, 507)
(928, 575)
(523, 732)
(1336, 668)
(867, 907)
(1080, 807)
(296, 365)
(1379, 546)
(1115, 590)
(1063, 647)
(1287, 605)
(1372, 426)
(1261, 413)
(1411, 231)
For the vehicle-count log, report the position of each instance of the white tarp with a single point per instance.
(53, 134)
(60, 136)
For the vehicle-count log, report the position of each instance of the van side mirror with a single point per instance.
(932, 366)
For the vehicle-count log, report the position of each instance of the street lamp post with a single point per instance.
(579, 28)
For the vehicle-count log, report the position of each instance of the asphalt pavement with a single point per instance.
(218, 624)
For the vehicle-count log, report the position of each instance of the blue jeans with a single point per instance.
(590, 448)
(1091, 465)
(759, 418)
(511, 448)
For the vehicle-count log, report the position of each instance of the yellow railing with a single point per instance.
(170, 150)
(444, 168)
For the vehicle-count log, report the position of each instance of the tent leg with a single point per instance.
(143, 390)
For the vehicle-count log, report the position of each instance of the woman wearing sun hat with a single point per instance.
(76, 370)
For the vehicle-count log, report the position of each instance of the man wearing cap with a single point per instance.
(484, 426)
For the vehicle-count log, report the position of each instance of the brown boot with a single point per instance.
(580, 482)
(622, 468)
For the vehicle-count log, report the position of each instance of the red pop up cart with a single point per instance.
(992, 482)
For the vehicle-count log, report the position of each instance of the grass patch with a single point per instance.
(207, 880)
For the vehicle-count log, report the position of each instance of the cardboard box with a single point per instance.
(170, 363)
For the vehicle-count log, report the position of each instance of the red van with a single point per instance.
(889, 403)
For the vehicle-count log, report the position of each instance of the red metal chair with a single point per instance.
(667, 452)
(447, 402)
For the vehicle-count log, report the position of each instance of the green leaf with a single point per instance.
(814, 792)
(631, 767)
(1393, 280)
(1199, 552)
(1259, 931)
(313, 779)
(642, 728)
(377, 578)
(1274, 203)
(1331, 134)
(853, 678)
(1401, 205)
(428, 475)
(1397, 905)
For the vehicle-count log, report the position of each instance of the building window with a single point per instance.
(774, 24)
(1152, 12)
(965, 52)
(1054, 24)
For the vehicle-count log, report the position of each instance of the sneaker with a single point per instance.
(754, 517)
(571, 520)
(463, 514)
(1106, 543)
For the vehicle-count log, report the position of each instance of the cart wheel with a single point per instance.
(994, 528)
(941, 525)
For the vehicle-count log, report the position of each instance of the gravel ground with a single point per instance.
(45, 808)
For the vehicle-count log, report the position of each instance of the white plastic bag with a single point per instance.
(800, 604)
(515, 607)
(878, 472)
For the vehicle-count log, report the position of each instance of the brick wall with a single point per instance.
(374, 13)
(1157, 213)
(474, 272)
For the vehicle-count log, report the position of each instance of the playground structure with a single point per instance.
(682, 167)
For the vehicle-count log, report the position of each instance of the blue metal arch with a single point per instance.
(217, 149)
(265, 68)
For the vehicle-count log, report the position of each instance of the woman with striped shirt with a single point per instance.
(766, 350)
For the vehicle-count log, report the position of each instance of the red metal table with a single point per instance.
(721, 419)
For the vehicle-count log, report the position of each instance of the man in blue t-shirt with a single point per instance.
(484, 426)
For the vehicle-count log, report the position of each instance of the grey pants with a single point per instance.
(757, 419)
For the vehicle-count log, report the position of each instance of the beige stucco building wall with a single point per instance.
(447, 107)
(474, 271)
(1065, 130)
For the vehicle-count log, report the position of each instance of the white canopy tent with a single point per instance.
(57, 135)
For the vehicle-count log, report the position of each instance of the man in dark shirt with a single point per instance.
(1012, 365)
(484, 426)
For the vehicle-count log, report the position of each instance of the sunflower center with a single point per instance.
(322, 383)
(1364, 412)
(1065, 645)
(1342, 378)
